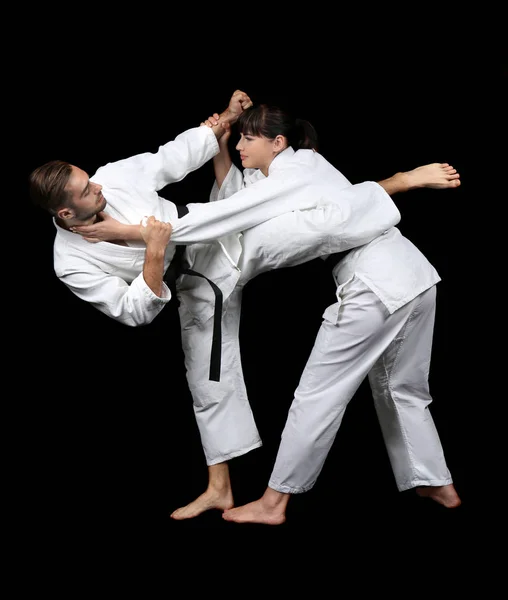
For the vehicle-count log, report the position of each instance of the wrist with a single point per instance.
(155, 251)
(228, 116)
(223, 144)
(131, 232)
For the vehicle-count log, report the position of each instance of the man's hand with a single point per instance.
(156, 234)
(238, 103)
(218, 123)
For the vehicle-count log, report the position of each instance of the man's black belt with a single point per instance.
(174, 270)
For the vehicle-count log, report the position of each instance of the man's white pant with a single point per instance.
(223, 413)
(359, 338)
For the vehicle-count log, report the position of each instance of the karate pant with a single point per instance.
(363, 340)
(222, 410)
(358, 338)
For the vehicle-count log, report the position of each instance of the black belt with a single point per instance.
(215, 355)
(174, 270)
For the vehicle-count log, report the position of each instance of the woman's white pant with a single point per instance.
(358, 338)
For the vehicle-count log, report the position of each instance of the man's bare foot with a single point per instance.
(218, 494)
(435, 175)
(212, 498)
(442, 494)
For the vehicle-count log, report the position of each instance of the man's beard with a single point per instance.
(86, 216)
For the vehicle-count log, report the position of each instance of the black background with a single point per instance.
(112, 448)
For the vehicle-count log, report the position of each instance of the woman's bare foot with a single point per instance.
(270, 509)
(212, 498)
(435, 175)
(254, 512)
(442, 494)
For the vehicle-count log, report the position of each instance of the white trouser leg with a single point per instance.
(344, 352)
(223, 413)
(400, 386)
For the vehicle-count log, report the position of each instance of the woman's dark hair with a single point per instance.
(270, 121)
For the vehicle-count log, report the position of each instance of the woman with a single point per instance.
(386, 297)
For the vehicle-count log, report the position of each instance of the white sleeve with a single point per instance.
(281, 193)
(132, 305)
(246, 208)
(233, 182)
(362, 213)
(171, 163)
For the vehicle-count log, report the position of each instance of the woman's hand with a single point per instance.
(226, 126)
(107, 229)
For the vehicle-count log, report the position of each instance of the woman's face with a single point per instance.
(257, 152)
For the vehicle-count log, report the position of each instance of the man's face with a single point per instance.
(86, 196)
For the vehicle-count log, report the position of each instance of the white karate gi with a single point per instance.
(110, 276)
(385, 304)
(305, 216)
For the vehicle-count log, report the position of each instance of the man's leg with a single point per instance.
(223, 413)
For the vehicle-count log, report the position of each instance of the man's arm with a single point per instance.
(133, 304)
(154, 233)
(156, 236)
(174, 160)
(220, 124)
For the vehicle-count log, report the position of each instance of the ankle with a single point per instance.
(219, 486)
(275, 500)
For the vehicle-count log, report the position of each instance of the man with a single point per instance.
(124, 280)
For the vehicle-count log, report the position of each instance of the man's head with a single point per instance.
(66, 192)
